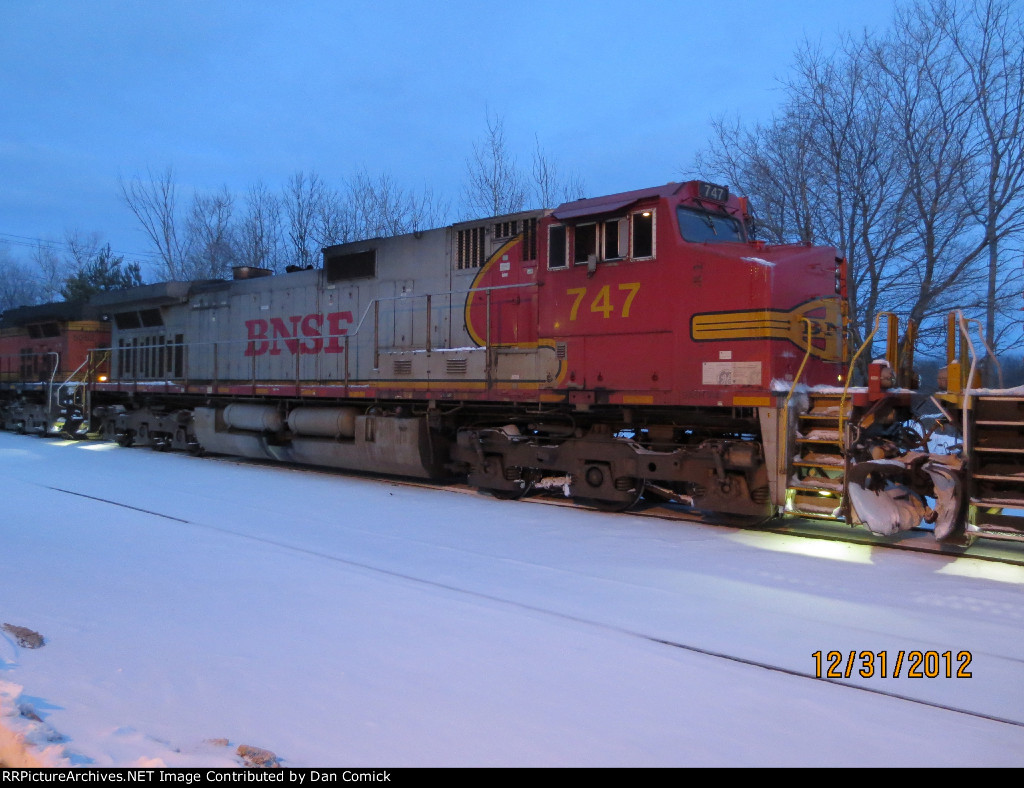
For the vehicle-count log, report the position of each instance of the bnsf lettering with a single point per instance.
(300, 334)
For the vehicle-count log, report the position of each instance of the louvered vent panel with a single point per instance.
(456, 366)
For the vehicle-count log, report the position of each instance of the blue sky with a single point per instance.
(231, 92)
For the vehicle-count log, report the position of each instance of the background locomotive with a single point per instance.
(44, 354)
(640, 343)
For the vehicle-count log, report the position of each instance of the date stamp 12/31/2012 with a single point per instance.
(877, 664)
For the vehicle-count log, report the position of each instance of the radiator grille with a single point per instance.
(456, 366)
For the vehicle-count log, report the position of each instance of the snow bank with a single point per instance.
(25, 740)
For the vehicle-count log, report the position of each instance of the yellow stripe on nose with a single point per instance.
(790, 325)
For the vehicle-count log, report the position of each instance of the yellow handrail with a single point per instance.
(784, 443)
(849, 373)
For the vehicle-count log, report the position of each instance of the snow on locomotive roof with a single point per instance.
(59, 311)
(701, 192)
(612, 202)
(156, 293)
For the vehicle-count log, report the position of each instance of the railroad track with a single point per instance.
(918, 540)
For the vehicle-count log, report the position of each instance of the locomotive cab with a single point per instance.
(659, 296)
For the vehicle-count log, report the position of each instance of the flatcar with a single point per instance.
(637, 344)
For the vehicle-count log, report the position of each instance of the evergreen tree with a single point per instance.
(104, 272)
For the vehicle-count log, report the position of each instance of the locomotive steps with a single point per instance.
(817, 483)
(995, 436)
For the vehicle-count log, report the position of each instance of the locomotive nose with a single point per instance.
(813, 326)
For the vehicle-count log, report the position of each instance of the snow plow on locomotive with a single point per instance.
(640, 344)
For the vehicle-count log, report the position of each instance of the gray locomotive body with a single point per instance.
(341, 365)
(375, 313)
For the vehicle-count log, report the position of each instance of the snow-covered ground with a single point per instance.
(345, 621)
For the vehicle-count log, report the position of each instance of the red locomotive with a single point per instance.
(44, 363)
(637, 344)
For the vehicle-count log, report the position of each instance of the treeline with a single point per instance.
(269, 229)
(902, 148)
(205, 234)
(80, 266)
(905, 150)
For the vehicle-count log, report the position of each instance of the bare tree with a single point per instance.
(153, 200)
(424, 210)
(210, 249)
(303, 204)
(854, 198)
(494, 183)
(260, 232)
(379, 207)
(549, 187)
(375, 208)
(772, 163)
(903, 151)
(52, 271)
(18, 287)
(332, 221)
(82, 248)
(930, 112)
(988, 37)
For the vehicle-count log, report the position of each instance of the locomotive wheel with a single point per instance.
(616, 506)
(125, 439)
(511, 495)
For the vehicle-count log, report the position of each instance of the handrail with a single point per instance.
(966, 387)
(49, 391)
(962, 324)
(375, 301)
(355, 331)
(957, 323)
(70, 377)
(989, 353)
(849, 373)
(783, 444)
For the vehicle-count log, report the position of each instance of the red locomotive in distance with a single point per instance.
(44, 352)
(639, 344)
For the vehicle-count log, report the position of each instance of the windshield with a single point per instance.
(701, 227)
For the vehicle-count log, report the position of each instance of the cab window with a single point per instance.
(643, 234)
(585, 243)
(556, 246)
(702, 227)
